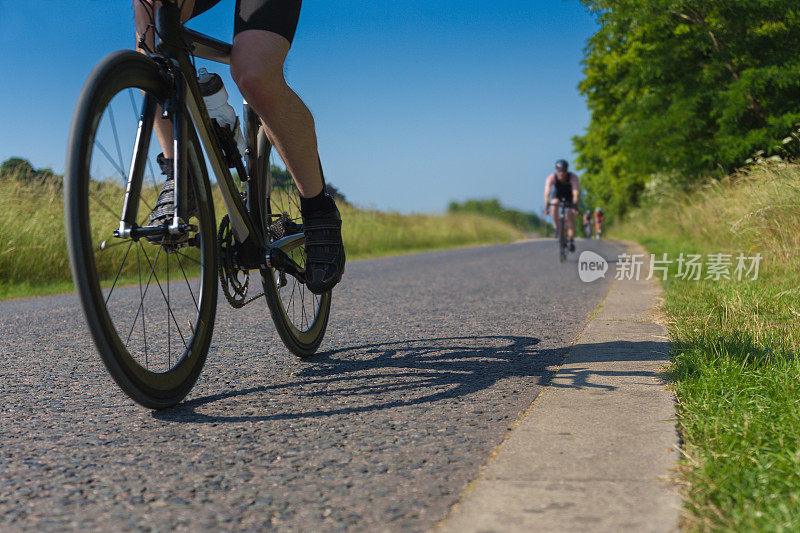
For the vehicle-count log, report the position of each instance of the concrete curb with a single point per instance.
(596, 449)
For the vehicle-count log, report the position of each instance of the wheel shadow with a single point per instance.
(381, 376)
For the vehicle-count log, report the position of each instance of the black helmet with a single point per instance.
(561, 165)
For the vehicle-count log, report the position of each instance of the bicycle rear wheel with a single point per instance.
(150, 307)
(300, 316)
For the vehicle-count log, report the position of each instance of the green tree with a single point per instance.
(16, 166)
(684, 88)
(21, 169)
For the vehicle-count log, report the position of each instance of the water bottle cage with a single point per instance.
(227, 142)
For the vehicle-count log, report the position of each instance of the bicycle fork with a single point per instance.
(171, 110)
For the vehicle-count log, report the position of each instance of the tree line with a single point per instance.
(22, 169)
(681, 91)
(493, 208)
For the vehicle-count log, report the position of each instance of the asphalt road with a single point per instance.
(428, 360)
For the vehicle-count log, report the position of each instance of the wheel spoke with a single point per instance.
(104, 206)
(303, 317)
(116, 136)
(290, 303)
(119, 271)
(118, 168)
(189, 258)
(188, 285)
(136, 113)
(296, 204)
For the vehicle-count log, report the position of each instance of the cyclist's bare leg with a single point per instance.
(257, 68)
(554, 212)
(571, 214)
(142, 16)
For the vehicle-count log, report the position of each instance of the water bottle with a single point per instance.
(216, 99)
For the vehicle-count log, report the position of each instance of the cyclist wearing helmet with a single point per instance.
(562, 188)
(599, 222)
(262, 35)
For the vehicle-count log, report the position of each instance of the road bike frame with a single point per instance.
(175, 46)
(563, 209)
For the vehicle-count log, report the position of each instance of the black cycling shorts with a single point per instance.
(560, 197)
(277, 16)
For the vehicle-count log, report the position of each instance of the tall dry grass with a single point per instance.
(32, 241)
(754, 209)
(753, 212)
(33, 253)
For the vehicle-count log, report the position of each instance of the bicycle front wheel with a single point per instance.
(150, 306)
(300, 316)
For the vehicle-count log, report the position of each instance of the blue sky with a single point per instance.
(416, 103)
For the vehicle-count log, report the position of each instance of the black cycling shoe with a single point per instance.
(163, 210)
(571, 245)
(325, 257)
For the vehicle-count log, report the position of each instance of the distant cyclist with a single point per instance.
(562, 188)
(588, 223)
(599, 222)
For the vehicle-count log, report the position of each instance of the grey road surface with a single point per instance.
(428, 360)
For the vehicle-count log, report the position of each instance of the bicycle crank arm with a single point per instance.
(287, 244)
(279, 260)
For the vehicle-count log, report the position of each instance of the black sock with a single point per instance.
(316, 204)
(166, 164)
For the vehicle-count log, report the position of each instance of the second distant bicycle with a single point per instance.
(599, 222)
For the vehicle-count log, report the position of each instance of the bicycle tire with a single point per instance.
(301, 331)
(562, 239)
(153, 385)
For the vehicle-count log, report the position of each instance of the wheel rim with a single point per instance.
(151, 293)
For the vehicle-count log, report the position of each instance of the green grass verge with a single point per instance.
(735, 367)
(34, 261)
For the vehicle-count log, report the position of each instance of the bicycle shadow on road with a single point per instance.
(381, 376)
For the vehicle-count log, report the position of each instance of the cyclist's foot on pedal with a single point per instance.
(325, 259)
(571, 245)
(163, 210)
